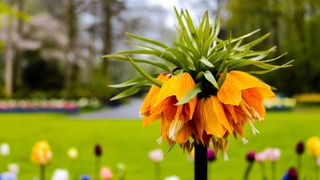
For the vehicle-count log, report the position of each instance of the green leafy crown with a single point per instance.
(198, 51)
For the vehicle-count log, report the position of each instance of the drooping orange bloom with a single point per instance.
(160, 103)
(238, 101)
(244, 102)
(210, 119)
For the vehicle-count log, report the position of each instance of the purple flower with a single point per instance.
(98, 150)
(211, 155)
(300, 148)
(292, 174)
(85, 177)
(250, 156)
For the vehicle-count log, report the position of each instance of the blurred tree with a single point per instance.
(19, 55)
(292, 26)
(7, 17)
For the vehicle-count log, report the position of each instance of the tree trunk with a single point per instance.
(200, 162)
(71, 76)
(18, 59)
(107, 40)
(8, 60)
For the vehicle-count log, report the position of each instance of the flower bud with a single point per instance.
(250, 156)
(300, 148)
(98, 150)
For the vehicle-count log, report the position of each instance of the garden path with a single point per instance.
(126, 111)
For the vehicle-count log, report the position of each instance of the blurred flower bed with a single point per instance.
(49, 105)
(42, 155)
(308, 99)
(280, 103)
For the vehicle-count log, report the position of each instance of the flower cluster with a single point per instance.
(50, 105)
(204, 93)
(279, 103)
(271, 154)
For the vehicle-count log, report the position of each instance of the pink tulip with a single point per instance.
(105, 173)
(261, 157)
(273, 154)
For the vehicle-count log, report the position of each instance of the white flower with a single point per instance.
(172, 178)
(156, 155)
(13, 167)
(4, 149)
(60, 174)
(121, 167)
(72, 153)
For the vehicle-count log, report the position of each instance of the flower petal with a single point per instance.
(230, 91)
(254, 99)
(184, 134)
(177, 86)
(152, 94)
(151, 118)
(209, 116)
(246, 80)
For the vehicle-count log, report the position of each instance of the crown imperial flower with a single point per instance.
(204, 93)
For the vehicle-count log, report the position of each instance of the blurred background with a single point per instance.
(53, 49)
(51, 62)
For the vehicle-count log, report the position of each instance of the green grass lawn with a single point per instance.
(127, 142)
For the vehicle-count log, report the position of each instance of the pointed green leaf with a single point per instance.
(139, 60)
(205, 61)
(161, 54)
(150, 41)
(131, 82)
(208, 75)
(128, 92)
(255, 42)
(191, 94)
(144, 74)
(222, 77)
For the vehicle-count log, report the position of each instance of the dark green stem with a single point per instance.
(248, 170)
(42, 172)
(263, 172)
(158, 171)
(299, 164)
(97, 168)
(200, 162)
(209, 170)
(316, 169)
(273, 170)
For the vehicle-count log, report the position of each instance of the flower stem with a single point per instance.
(263, 172)
(248, 170)
(316, 169)
(97, 168)
(42, 172)
(200, 162)
(209, 170)
(273, 170)
(158, 171)
(299, 163)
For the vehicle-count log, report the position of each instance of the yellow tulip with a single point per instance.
(41, 153)
(313, 146)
